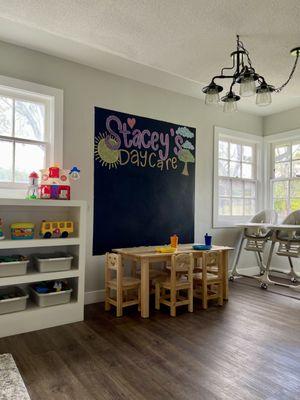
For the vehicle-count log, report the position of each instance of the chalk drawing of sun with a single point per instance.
(106, 156)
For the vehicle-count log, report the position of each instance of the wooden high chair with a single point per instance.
(208, 283)
(121, 285)
(180, 279)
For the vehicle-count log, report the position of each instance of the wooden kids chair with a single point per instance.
(180, 279)
(121, 286)
(208, 284)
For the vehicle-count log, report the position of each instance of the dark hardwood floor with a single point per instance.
(249, 349)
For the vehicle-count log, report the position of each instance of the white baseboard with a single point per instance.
(95, 296)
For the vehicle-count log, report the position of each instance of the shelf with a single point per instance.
(35, 276)
(23, 244)
(41, 203)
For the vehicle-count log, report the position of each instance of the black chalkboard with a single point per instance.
(144, 181)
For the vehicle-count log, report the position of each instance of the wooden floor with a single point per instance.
(250, 349)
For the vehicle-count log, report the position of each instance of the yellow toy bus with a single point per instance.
(56, 229)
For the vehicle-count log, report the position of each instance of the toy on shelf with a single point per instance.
(1, 230)
(55, 182)
(56, 229)
(32, 191)
(22, 230)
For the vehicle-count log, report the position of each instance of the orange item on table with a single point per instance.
(174, 241)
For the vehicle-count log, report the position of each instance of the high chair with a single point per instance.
(179, 279)
(208, 284)
(121, 285)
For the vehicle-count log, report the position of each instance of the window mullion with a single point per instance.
(14, 143)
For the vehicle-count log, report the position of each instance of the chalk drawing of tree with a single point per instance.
(185, 154)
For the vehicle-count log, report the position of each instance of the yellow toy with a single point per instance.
(166, 249)
(56, 229)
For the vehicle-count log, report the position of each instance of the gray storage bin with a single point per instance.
(13, 268)
(51, 299)
(52, 262)
(16, 301)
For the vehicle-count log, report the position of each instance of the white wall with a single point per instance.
(281, 122)
(85, 88)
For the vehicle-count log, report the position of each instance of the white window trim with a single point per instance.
(230, 221)
(54, 97)
(269, 141)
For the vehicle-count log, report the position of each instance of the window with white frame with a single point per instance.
(285, 177)
(235, 177)
(30, 130)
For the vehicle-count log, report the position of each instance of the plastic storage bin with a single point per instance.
(12, 299)
(51, 299)
(52, 262)
(13, 268)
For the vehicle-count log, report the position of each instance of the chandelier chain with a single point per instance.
(290, 76)
(242, 47)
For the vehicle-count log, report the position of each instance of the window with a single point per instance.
(285, 177)
(30, 132)
(235, 177)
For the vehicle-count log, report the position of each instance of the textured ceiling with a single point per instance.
(165, 42)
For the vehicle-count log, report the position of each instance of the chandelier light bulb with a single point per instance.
(247, 86)
(230, 102)
(212, 97)
(263, 95)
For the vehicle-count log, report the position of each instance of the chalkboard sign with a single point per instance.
(144, 181)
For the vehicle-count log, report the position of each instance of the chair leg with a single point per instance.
(173, 302)
(220, 299)
(139, 298)
(107, 304)
(191, 297)
(119, 303)
(204, 296)
(157, 296)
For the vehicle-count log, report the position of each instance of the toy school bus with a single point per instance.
(56, 229)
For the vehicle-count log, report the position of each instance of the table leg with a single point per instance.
(225, 274)
(145, 288)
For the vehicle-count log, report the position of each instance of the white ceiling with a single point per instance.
(174, 44)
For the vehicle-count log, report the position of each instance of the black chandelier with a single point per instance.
(249, 81)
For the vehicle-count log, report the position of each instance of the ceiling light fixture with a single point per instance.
(249, 81)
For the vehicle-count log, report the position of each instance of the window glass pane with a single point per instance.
(224, 206)
(6, 161)
(223, 168)
(249, 207)
(296, 168)
(295, 204)
(249, 189)
(6, 116)
(29, 120)
(237, 206)
(223, 149)
(280, 189)
(247, 171)
(296, 151)
(224, 187)
(248, 153)
(237, 189)
(282, 170)
(29, 157)
(295, 189)
(235, 169)
(282, 153)
(281, 206)
(235, 151)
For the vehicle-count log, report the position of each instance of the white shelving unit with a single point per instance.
(35, 318)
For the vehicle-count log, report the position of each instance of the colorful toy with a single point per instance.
(1, 230)
(32, 191)
(22, 230)
(55, 182)
(174, 241)
(56, 229)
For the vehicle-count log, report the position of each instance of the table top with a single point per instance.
(149, 251)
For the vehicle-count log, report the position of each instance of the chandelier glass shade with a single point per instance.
(247, 80)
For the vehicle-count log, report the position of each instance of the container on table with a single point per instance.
(52, 298)
(12, 299)
(22, 231)
(17, 266)
(53, 262)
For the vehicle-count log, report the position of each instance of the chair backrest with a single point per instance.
(265, 216)
(211, 263)
(182, 262)
(113, 262)
(292, 219)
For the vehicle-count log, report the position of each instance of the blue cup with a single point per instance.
(208, 240)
